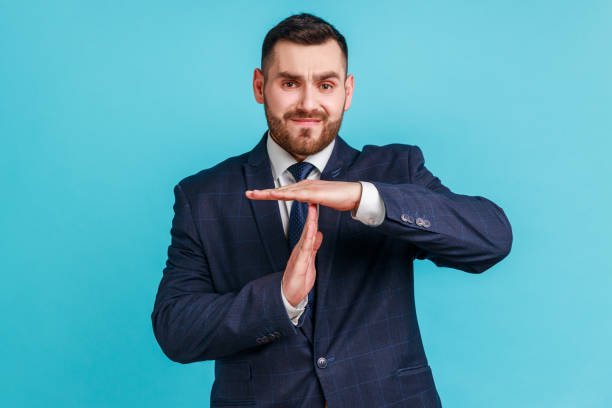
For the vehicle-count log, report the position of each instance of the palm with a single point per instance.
(339, 195)
(300, 273)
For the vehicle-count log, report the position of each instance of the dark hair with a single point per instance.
(302, 29)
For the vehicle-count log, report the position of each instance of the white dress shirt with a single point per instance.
(371, 209)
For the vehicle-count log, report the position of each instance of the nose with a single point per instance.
(308, 99)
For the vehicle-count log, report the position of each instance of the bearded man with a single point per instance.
(291, 265)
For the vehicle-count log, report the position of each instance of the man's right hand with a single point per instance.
(300, 273)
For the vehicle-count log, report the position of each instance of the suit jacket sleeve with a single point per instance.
(192, 322)
(469, 233)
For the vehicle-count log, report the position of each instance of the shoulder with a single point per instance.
(390, 150)
(215, 178)
(393, 154)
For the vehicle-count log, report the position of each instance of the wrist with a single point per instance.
(358, 201)
(300, 305)
(288, 300)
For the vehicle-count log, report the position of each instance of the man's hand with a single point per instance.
(339, 195)
(300, 273)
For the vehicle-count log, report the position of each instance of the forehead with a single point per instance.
(291, 57)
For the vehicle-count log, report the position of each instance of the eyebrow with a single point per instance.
(317, 77)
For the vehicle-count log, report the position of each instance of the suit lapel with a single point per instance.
(258, 176)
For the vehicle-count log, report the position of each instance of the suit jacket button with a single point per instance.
(276, 334)
(322, 362)
(407, 218)
(419, 222)
(426, 223)
(260, 340)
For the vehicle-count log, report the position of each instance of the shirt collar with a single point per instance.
(280, 159)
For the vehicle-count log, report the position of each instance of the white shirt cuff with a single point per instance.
(294, 312)
(371, 210)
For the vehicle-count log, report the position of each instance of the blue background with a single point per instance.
(105, 107)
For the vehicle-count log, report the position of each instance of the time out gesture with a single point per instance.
(300, 273)
(339, 195)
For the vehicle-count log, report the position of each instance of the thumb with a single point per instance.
(318, 241)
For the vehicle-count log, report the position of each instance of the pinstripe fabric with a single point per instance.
(218, 298)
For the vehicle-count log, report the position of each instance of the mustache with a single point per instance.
(305, 115)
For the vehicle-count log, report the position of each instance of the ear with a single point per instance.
(258, 85)
(348, 89)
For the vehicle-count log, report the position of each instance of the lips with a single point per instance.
(306, 121)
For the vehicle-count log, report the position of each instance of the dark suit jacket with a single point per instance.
(219, 297)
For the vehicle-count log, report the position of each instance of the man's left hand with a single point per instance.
(339, 195)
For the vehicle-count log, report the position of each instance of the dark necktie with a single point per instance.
(297, 217)
(299, 211)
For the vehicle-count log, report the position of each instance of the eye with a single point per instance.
(327, 86)
(289, 84)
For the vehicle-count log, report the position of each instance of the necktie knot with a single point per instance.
(300, 170)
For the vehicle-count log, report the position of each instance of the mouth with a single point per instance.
(306, 121)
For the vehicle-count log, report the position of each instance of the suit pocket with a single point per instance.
(233, 384)
(414, 380)
(412, 370)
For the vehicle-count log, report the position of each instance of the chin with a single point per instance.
(303, 148)
(308, 136)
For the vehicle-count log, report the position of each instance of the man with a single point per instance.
(291, 265)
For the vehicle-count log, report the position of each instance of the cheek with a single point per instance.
(334, 107)
(280, 102)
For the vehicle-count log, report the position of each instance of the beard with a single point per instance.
(304, 144)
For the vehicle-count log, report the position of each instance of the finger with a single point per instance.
(268, 195)
(293, 186)
(314, 226)
(304, 233)
(311, 222)
(260, 195)
(305, 246)
(298, 185)
(313, 213)
(311, 271)
(307, 239)
(318, 241)
(300, 195)
(306, 186)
